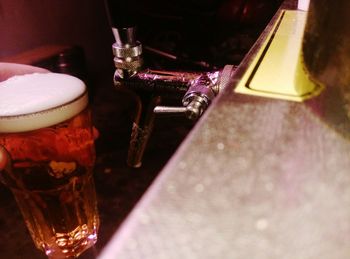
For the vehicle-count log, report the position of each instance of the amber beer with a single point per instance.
(52, 154)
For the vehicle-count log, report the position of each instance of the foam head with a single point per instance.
(33, 101)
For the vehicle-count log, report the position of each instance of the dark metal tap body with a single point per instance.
(152, 88)
(196, 90)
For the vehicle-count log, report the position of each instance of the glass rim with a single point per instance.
(44, 118)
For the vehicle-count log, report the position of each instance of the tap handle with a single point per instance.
(169, 110)
(122, 13)
(193, 110)
(122, 16)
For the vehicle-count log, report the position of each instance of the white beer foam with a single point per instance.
(37, 92)
(37, 100)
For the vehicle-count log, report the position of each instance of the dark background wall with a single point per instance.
(218, 32)
(25, 25)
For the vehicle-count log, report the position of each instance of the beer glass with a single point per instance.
(46, 130)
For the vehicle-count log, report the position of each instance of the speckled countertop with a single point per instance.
(256, 178)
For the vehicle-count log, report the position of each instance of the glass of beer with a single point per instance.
(46, 130)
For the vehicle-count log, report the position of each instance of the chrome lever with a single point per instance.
(169, 110)
(196, 100)
(193, 110)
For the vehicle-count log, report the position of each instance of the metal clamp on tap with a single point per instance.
(199, 96)
(127, 53)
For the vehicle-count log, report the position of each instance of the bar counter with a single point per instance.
(254, 178)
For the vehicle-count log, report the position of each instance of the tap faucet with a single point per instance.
(152, 87)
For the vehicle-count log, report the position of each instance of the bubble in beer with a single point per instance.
(31, 101)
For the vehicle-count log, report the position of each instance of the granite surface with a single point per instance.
(256, 178)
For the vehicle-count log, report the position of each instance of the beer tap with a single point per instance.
(126, 49)
(152, 87)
